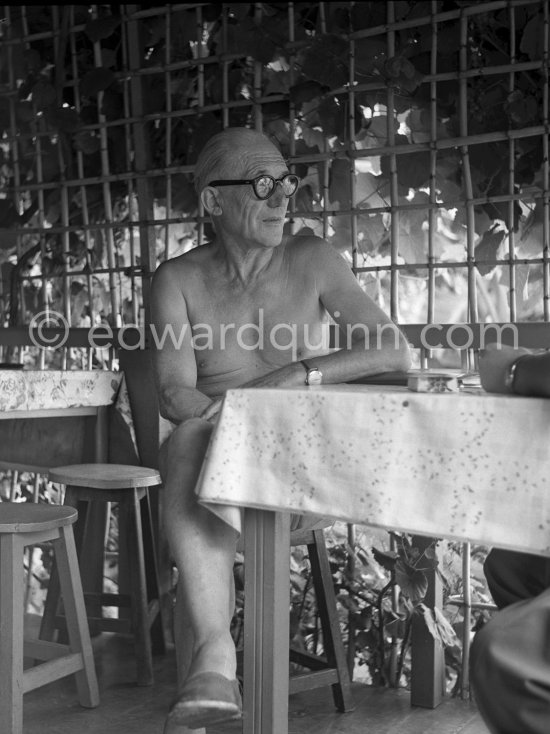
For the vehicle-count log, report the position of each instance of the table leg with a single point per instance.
(266, 622)
(427, 654)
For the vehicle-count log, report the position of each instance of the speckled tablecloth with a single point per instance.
(469, 465)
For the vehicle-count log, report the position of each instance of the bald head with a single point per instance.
(226, 154)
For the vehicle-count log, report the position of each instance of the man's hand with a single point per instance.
(211, 412)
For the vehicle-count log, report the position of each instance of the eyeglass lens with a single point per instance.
(264, 186)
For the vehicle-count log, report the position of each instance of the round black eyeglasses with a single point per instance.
(264, 186)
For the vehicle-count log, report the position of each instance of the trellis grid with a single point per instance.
(420, 131)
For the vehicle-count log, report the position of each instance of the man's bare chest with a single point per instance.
(272, 325)
(226, 310)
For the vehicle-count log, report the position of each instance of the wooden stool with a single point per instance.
(23, 524)
(127, 485)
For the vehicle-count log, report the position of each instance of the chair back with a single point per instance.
(137, 366)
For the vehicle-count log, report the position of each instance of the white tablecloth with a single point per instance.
(468, 465)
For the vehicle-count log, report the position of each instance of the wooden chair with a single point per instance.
(329, 669)
(89, 484)
(21, 525)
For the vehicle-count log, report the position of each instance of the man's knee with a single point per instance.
(191, 430)
(186, 440)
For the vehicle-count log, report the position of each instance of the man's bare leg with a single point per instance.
(203, 548)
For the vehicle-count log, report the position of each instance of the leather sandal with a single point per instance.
(206, 698)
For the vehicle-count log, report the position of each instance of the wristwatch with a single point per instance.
(510, 376)
(314, 376)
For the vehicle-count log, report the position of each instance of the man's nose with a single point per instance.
(277, 198)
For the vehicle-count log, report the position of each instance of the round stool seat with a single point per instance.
(25, 517)
(105, 476)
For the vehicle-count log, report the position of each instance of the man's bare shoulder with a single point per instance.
(313, 251)
(187, 266)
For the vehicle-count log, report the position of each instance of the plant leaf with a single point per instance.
(429, 620)
(387, 559)
(65, 119)
(305, 91)
(413, 582)
(446, 632)
(101, 28)
(86, 142)
(325, 61)
(96, 80)
(250, 39)
(532, 41)
(8, 238)
(43, 95)
(487, 248)
(369, 54)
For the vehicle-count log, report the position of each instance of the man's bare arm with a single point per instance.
(173, 355)
(370, 342)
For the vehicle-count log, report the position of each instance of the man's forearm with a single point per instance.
(343, 365)
(390, 354)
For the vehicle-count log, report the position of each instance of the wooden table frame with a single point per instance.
(100, 429)
(92, 574)
(267, 622)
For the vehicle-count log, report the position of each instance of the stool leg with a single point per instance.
(48, 624)
(332, 635)
(75, 611)
(151, 573)
(11, 635)
(138, 591)
(89, 532)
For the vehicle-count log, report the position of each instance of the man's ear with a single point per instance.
(210, 201)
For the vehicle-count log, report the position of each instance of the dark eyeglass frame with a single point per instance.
(254, 182)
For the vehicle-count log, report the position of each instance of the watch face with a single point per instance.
(314, 377)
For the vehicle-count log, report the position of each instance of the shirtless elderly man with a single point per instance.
(252, 277)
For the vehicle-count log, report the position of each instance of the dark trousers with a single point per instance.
(510, 656)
